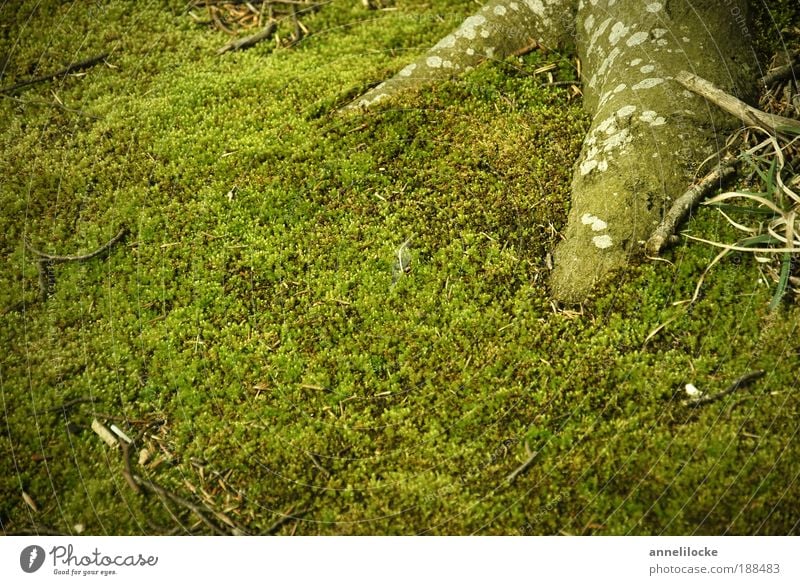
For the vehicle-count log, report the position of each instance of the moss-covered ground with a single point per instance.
(257, 329)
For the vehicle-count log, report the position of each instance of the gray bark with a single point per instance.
(648, 133)
(496, 31)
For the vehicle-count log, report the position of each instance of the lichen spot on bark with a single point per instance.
(637, 39)
(469, 26)
(536, 7)
(648, 83)
(408, 70)
(603, 241)
(652, 118)
(618, 31)
(594, 222)
(433, 62)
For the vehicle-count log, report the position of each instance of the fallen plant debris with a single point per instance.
(773, 198)
(663, 235)
(71, 68)
(234, 18)
(700, 399)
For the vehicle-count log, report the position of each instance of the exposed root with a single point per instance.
(499, 29)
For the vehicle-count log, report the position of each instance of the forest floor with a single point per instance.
(327, 324)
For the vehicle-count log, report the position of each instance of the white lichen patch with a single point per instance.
(609, 94)
(659, 32)
(625, 111)
(652, 118)
(536, 7)
(446, 43)
(485, 33)
(514, 6)
(637, 39)
(647, 68)
(588, 23)
(603, 241)
(618, 140)
(648, 83)
(595, 222)
(433, 61)
(600, 30)
(408, 70)
(618, 31)
(635, 62)
(602, 166)
(654, 7)
(608, 126)
(469, 26)
(375, 99)
(607, 62)
(500, 10)
(588, 166)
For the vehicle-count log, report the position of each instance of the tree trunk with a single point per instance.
(648, 134)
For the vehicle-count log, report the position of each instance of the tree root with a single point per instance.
(497, 30)
(647, 133)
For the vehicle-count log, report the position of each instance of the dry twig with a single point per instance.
(664, 233)
(247, 42)
(736, 107)
(739, 383)
(85, 64)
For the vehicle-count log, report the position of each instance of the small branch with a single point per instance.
(175, 498)
(736, 107)
(781, 73)
(522, 468)
(80, 258)
(287, 517)
(739, 383)
(247, 42)
(53, 104)
(69, 404)
(85, 64)
(532, 46)
(298, 31)
(127, 473)
(664, 233)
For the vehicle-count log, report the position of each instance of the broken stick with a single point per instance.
(735, 106)
(247, 42)
(663, 235)
(85, 64)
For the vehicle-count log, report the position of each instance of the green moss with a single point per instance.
(273, 354)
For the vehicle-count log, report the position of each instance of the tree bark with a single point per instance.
(648, 134)
(496, 31)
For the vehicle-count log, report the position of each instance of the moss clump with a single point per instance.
(273, 355)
